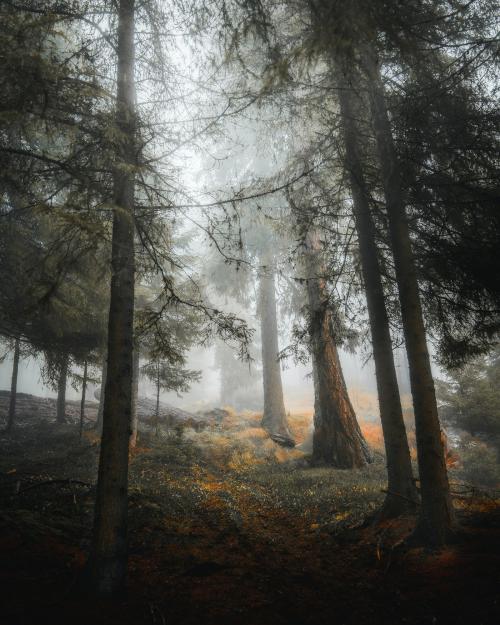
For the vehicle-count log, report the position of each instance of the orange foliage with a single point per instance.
(251, 433)
(372, 432)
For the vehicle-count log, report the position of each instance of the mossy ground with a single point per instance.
(226, 527)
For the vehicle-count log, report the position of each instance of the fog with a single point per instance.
(205, 394)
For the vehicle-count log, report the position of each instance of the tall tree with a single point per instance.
(274, 417)
(259, 246)
(108, 556)
(401, 486)
(437, 519)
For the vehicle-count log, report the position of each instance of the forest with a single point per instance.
(249, 312)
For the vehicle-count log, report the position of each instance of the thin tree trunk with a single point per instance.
(82, 403)
(100, 410)
(108, 557)
(401, 486)
(13, 386)
(337, 439)
(274, 419)
(134, 420)
(157, 411)
(61, 391)
(437, 519)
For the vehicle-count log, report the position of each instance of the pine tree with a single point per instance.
(108, 557)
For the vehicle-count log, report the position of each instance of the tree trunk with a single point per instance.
(108, 557)
(13, 386)
(61, 391)
(100, 410)
(437, 519)
(401, 486)
(157, 410)
(82, 403)
(274, 419)
(337, 438)
(134, 421)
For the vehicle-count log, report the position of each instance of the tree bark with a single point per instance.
(61, 390)
(134, 421)
(437, 519)
(401, 486)
(13, 386)
(274, 419)
(108, 557)
(337, 439)
(82, 403)
(100, 410)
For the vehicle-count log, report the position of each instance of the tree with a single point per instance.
(108, 557)
(337, 437)
(401, 486)
(444, 135)
(274, 416)
(82, 402)
(258, 259)
(61, 388)
(13, 386)
(437, 518)
(100, 409)
(165, 343)
(134, 417)
(70, 178)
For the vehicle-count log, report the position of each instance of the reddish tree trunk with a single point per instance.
(337, 439)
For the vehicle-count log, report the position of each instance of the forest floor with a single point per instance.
(221, 535)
